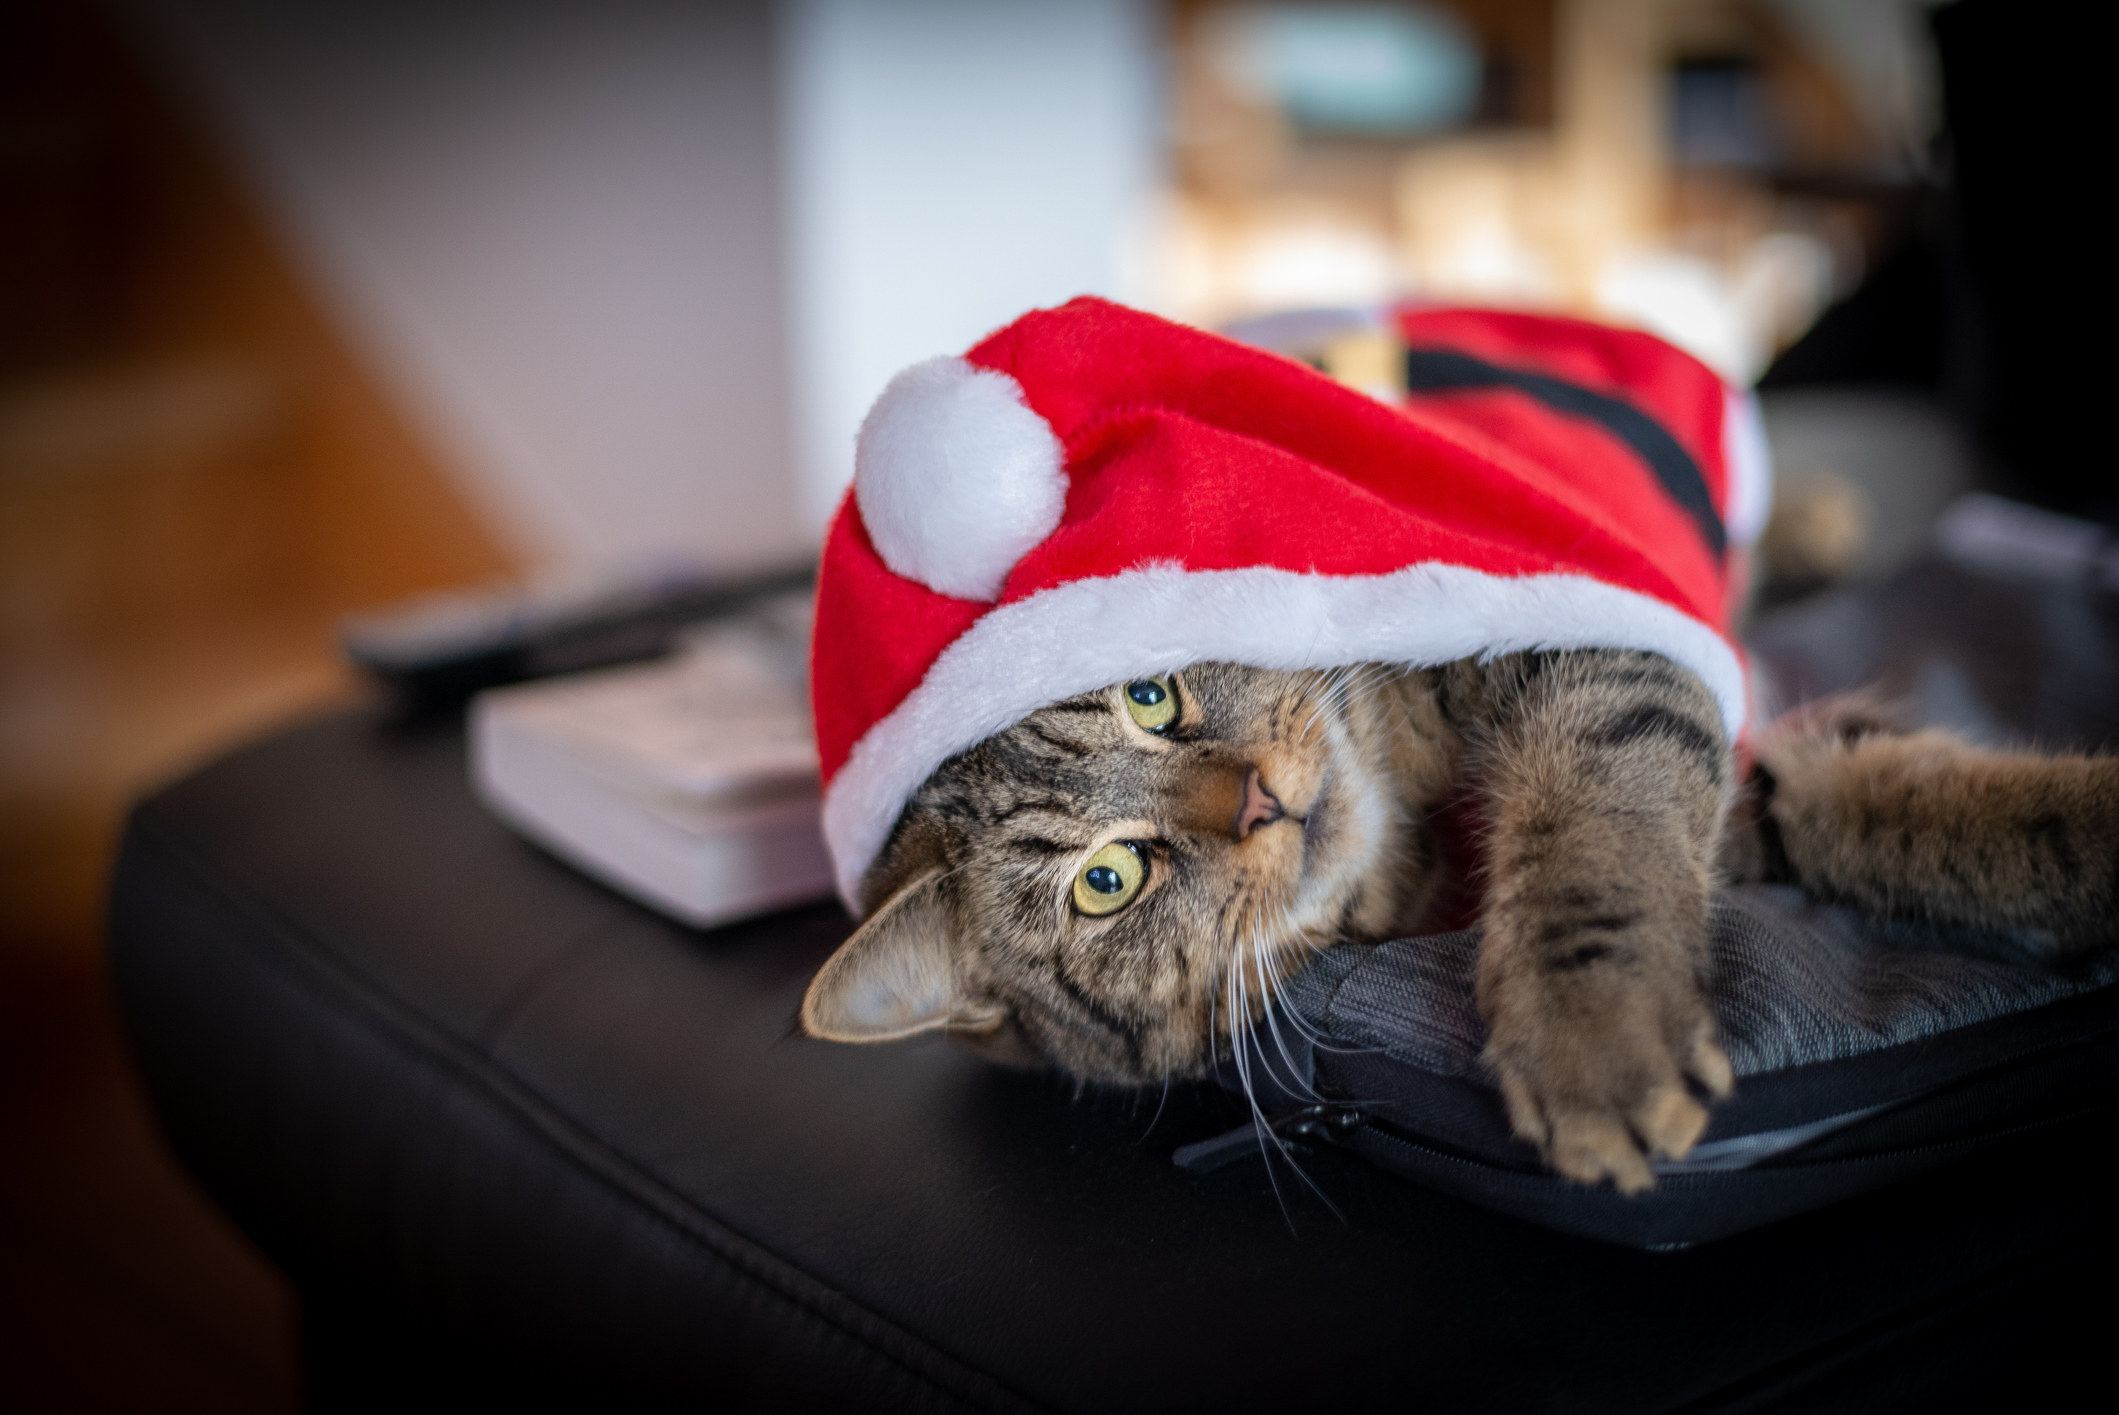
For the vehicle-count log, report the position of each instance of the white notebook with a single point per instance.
(689, 783)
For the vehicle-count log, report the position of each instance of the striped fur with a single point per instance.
(1603, 781)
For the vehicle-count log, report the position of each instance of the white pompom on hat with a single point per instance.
(956, 477)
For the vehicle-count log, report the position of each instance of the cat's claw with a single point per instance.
(1710, 1066)
(1595, 1129)
(1593, 1146)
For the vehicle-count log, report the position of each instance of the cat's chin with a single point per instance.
(1343, 839)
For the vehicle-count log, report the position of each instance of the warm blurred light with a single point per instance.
(1312, 263)
(1669, 166)
(1686, 300)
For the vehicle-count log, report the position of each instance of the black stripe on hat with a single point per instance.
(1447, 370)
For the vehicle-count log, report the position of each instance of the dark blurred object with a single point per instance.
(1893, 328)
(197, 477)
(1718, 113)
(2018, 659)
(1992, 533)
(67, 217)
(2025, 103)
(436, 651)
(1993, 289)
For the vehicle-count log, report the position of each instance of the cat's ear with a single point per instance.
(895, 977)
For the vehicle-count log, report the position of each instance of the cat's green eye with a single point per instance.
(1151, 703)
(1109, 881)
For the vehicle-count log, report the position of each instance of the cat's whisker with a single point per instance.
(1333, 690)
(1159, 1104)
(1323, 693)
(1238, 1009)
(1295, 1019)
(1213, 1033)
(1271, 986)
(1309, 944)
(1239, 975)
(1269, 1140)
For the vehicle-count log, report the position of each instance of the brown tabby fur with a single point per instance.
(1603, 782)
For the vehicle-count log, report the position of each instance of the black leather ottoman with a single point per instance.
(519, 1140)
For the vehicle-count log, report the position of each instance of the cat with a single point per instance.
(1120, 881)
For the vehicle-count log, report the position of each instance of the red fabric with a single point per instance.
(1678, 391)
(1184, 446)
(876, 633)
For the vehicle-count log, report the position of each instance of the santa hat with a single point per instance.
(1093, 495)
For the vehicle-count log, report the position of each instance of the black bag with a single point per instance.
(1865, 1053)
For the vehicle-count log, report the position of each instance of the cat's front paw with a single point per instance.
(1605, 1073)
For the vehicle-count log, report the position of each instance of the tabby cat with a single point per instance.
(1122, 879)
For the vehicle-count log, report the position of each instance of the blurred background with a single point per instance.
(306, 309)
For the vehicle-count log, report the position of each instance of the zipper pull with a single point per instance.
(1321, 1121)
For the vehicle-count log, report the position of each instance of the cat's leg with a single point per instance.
(1607, 775)
(1924, 825)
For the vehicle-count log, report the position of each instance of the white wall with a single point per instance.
(552, 228)
(637, 267)
(950, 164)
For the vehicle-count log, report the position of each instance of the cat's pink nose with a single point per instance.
(1259, 807)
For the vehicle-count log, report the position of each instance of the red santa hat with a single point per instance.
(1093, 495)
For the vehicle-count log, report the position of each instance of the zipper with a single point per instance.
(1324, 1120)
